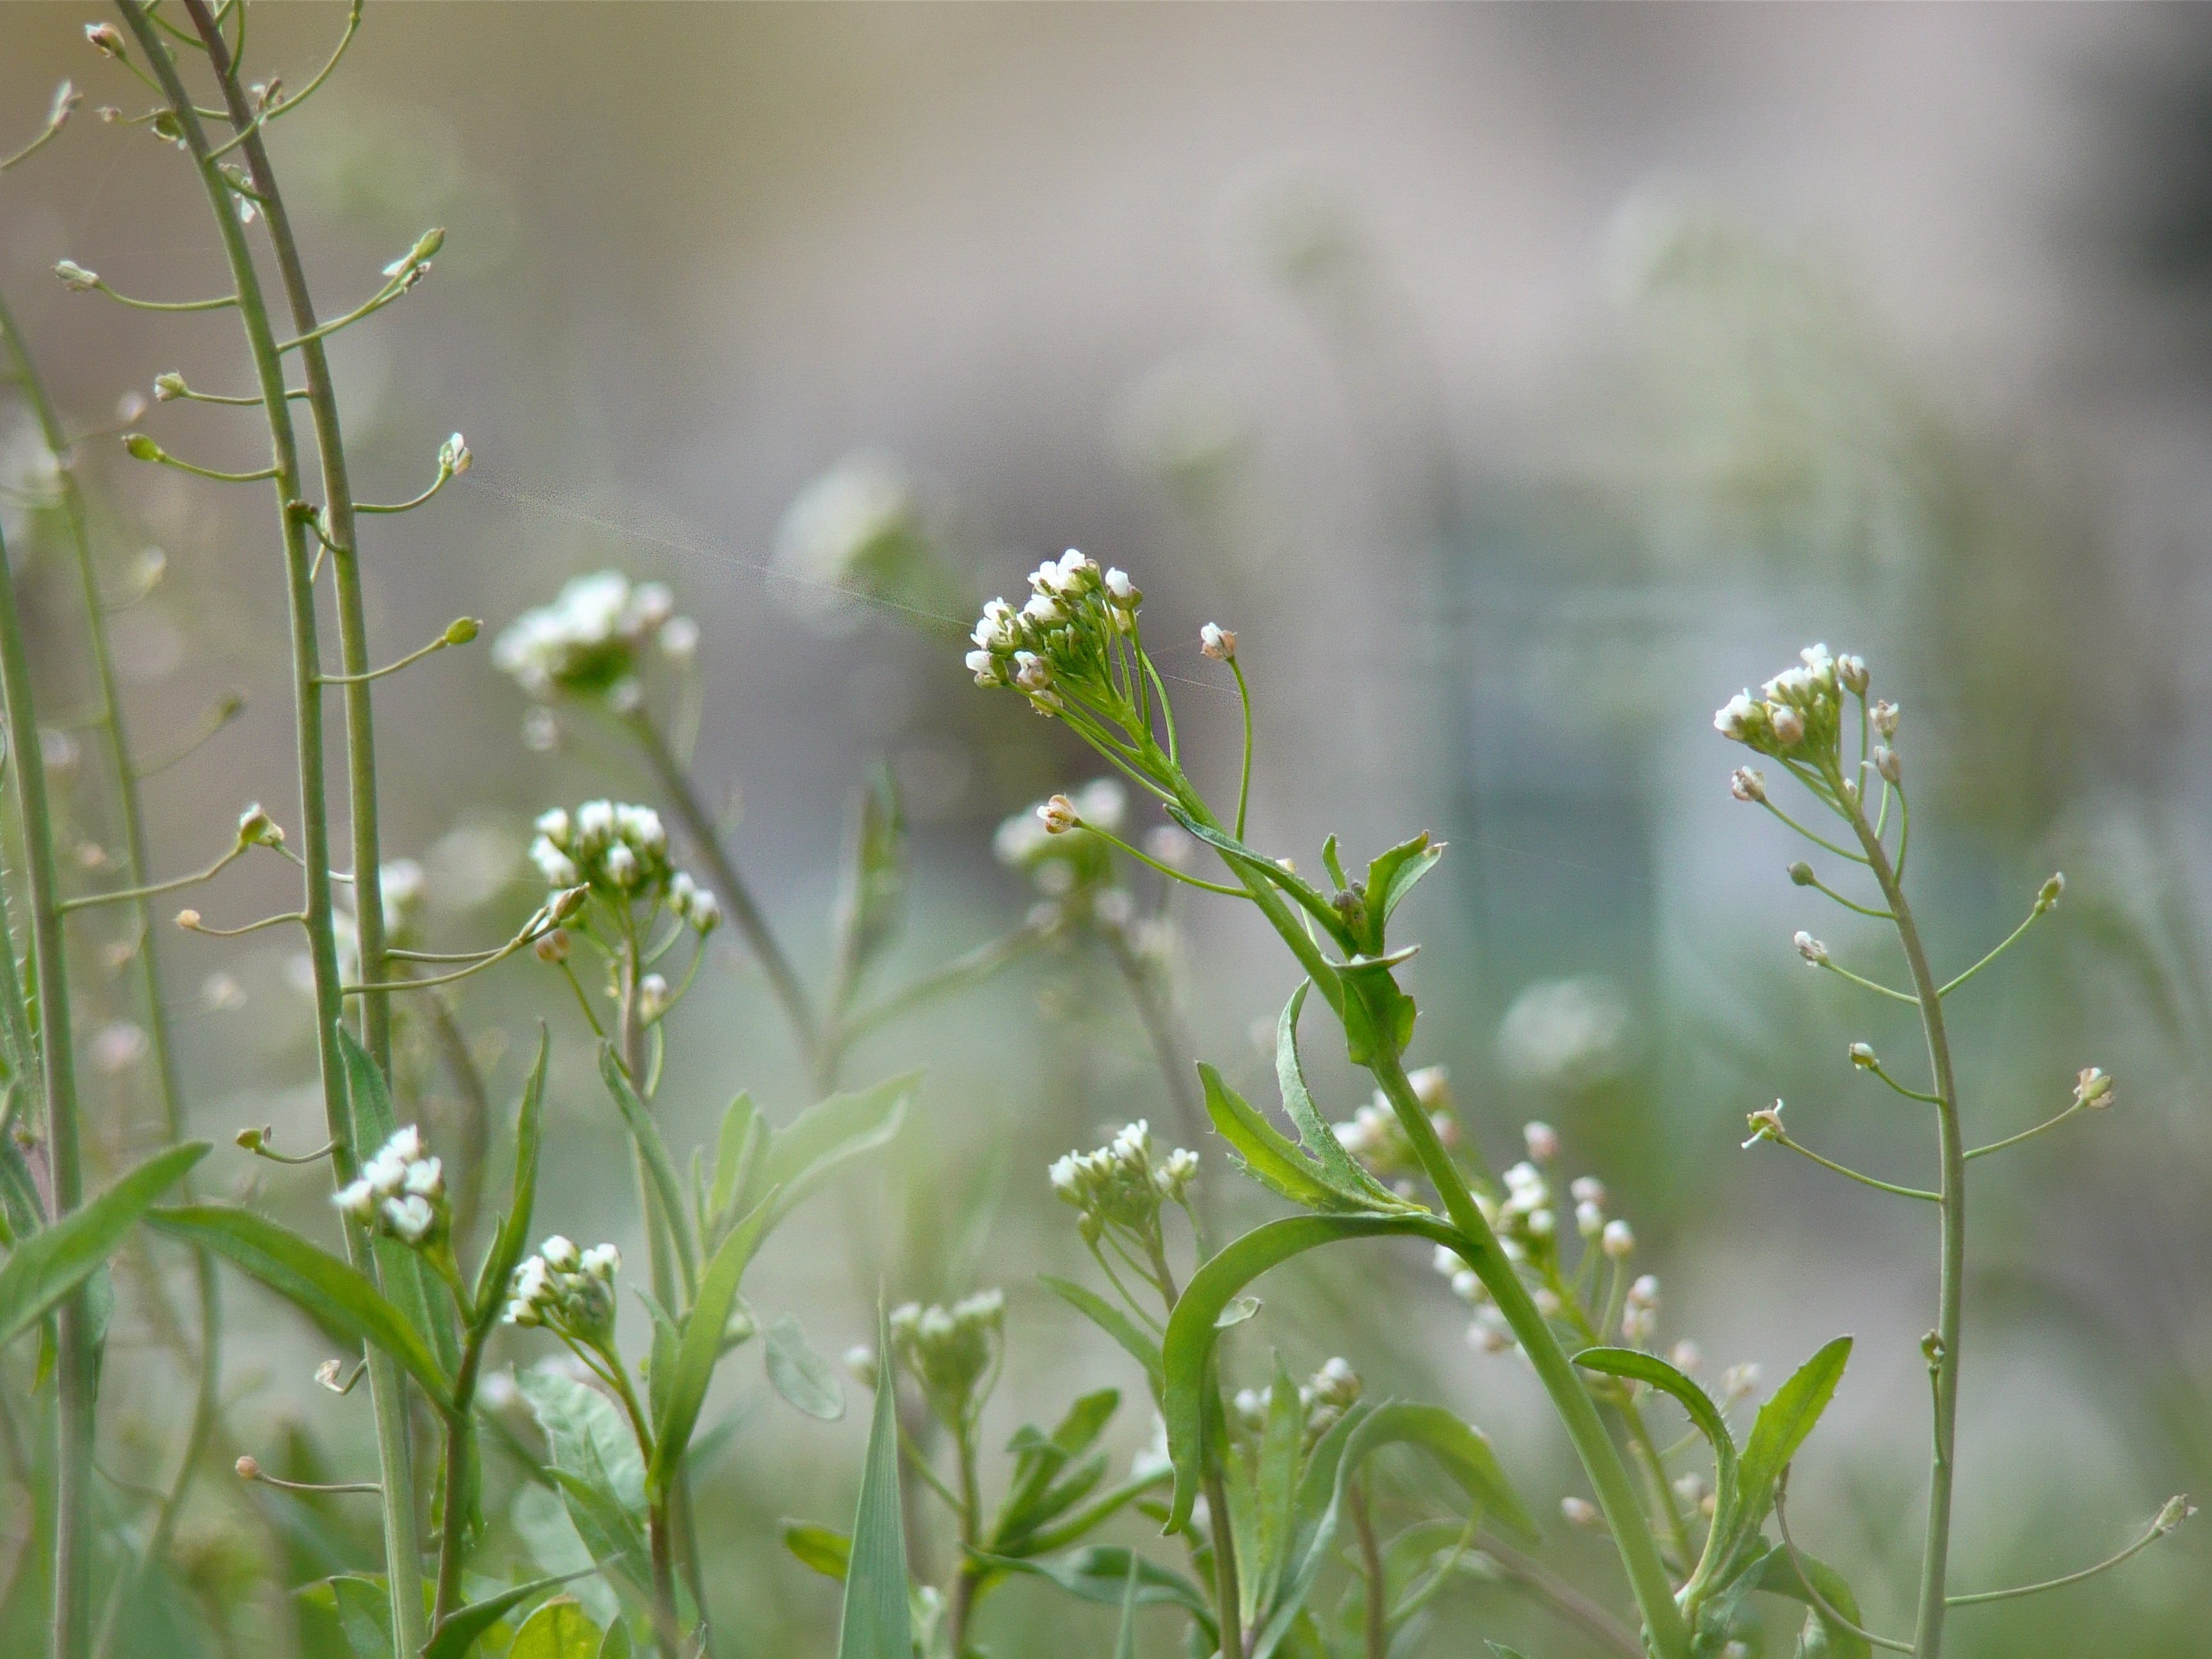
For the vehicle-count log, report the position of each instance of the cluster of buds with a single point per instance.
(1374, 1135)
(619, 852)
(1124, 1182)
(569, 1291)
(587, 643)
(1797, 714)
(949, 1352)
(1061, 637)
(1639, 1314)
(401, 1191)
(1323, 1399)
(1525, 1218)
(1063, 865)
(1613, 1237)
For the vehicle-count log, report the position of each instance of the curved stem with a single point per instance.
(1244, 776)
(2025, 1134)
(1872, 984)
(2009, 939)
(75, 1382)
(387, 1390)
(1843, 1170)
(1935, 1555)
(2158, 1527)
(1819, 1603)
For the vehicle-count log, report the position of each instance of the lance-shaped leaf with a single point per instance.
(462, 1628)
(559, 1630)
(828, 1552)
(659, 1169)
(1039, 1459)
(801, 1376)
(829, 1135)
(737, 1150)
(315, 1280)
(46, 1266)
(702, 1345)
(877, 1619)
(1344, 1172)
(869, 905)
(404, 1280)
(1107, 1317)
(1270, 1157)
(1638, 1366)
(1822, 1638)
(512, 1238)
(1781, 1428)
(1391, 876)
(1191, 1333)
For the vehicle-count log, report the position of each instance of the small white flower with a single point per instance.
(595, 822)
(652, 998)
(1218, 643)
(1886, 717)
(555, 865)
(1542, 1141)
(1618, 1240)
(1734, 720)
(1786, 723)
(358, 1199)
(602, 1262)
(560, 1254)
(621, 864)
(1058, 815)
(1811, 949)
(426, 1179)
(410, 1217)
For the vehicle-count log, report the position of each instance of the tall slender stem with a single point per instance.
(345, 564)
(402, 1537)
(130, 818)
(783, 980)
(1943, 1362)
(1479, 1248)
(74, 1376)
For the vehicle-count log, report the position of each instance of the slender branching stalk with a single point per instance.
(403, 1552)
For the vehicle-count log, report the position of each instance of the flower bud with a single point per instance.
(253, 1140)
(2093, 1088)
(1814, 952)
(257, 829)
(1766, 1125)
(1886, 717)
(1787, 725)
(1886, 762)
(1800, 873)
(140, 447)
(1542, 1141)
(1218, 643)
(1686, 1357)
(652, 998)
(1058, 815)
(1617, 1241)
(1863, 1056)
(461, 631)
(188, 921)
(2175, 1510)
(327, 1374)
(247, 1468)
(1581, 1512)
(453, 457)
(1746, 784)
(1852, 674)
(168, 386)
(2048, 894)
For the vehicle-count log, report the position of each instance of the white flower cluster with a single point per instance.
(568, 1289)
(621, 852)
(1323, 1398)
(949, 1350)
(1374, 1135)
(401, 1191)
(1075, 612)
(1800, 711)
(1123, 1183)
(587, 641)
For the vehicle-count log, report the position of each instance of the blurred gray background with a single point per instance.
(1519, 381)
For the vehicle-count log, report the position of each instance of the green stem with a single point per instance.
(1244, 776)
(402, 1542)
(76, 1382)
(1376, 1624)
(1843, 1170)
(345, 567)
(1935, 1556)
(2008, 943)
(206, 1402)
(2025, 1134)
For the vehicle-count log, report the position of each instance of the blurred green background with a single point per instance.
(1518, 382)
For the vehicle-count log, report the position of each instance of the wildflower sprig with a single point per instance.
(1802, 719)
(590, 641)
(1119, 1190)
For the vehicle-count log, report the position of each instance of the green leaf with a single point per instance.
(829, 1135)
(615, 1644)
(1111, 1320)
(362, 1607)
(737, 1150)
(1275, 1484)
(559, 1630)
(1636, 1364)
(313, 1278)
(701, 1347)
(1190, 1335)
(655, 1151)
(596, 1465)
(1101, 1574)
(512, 1238)
(45, 1268)
(801, 1376)
(1504, 1652)
(399, 1271)
(1125, 1643)
(1301, 891)
(1391, 875)
(463, 1627)
(1039, 1459)
(1269, 1156)
(1782, 1424)
(827, 1552)
(868, 907)
(1345, 1171)
(1822, 1638)
(877, 1621)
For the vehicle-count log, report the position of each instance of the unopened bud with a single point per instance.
(861, 1362)
(1581, 1512)
(2048, 894)
(188, 921)
(565, 903)
(1886, 762)
(74, 276)
(462, 630)
(1542, 1141)
(2176, 1510)
(1852, 674)
(1801, 874)
(1811, 949)
(1863, 1056)
(247, 1468)
(1766, 1125)
(453, 456)
(1787, 725)
(105, 38)
(1886, 717)
(1218, 643)
(1746, 784)
(140, 447)
(257, 829)
(2093, 1088)
(253, 1140)
(1617, 1241)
